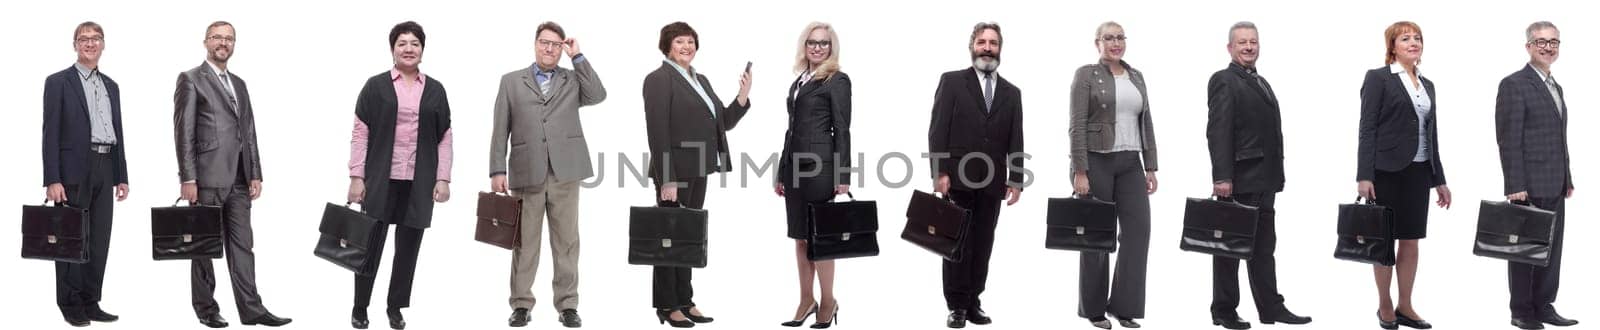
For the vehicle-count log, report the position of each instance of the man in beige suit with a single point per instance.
(536, 114)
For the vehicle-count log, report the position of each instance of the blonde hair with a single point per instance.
(1101, 30)
(830, 65)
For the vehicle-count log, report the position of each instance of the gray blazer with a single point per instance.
(1094, 115)
(212, 135)
(1532, 134)
(543, 130)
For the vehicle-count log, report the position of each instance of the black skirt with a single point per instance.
(798, 196)
(1406, 193)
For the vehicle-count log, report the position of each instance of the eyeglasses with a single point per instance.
(819, 44)
(221, 38)
(91, 40)
(1546, 43)
(549, 43)
(1114, 37)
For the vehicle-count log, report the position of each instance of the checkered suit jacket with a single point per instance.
(1532, 135)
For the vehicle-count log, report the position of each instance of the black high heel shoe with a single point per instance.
(1389, 325)
(665, 316)
(831, 320)
(802, 320)
(695, 318)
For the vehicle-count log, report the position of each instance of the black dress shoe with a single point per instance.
(1388, 325)
(269, 320)
(519, 318)
(957, 319)
(75, 319)
(1554, 319)
(1126, 322)
(665, 316)
(570, 319)
(1231, 322)
(1526, 324)
(977, 316)
(97, 315)
(696, 318)
(1286, 317)
(1100, 322)
(358, 318)
(1413, 323)
(397, 321)
(214, 321)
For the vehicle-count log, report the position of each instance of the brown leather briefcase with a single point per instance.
(499, 220)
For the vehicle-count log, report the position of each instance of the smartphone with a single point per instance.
(747, 65)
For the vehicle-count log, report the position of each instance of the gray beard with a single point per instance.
(985, 66)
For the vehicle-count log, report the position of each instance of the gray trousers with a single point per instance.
(239, 240)
(1117, 177)
(558, 200)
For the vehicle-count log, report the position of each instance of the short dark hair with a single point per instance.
(408, 27)
(216, 25)
(552, 27)
(87, 25)
(675, 30)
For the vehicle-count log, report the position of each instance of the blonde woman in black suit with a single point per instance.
(1114, 159)
(817, 143)
(686, 124)
(1397, 162)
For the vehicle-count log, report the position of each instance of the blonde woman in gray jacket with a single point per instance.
(1114, 159)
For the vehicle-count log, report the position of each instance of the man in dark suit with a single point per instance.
(219, 163)
(1245, 136)
(83, 161)
(975, 139)
(1531, 127)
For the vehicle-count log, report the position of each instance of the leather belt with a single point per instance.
(101, 148)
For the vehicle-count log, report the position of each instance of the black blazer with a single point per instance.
(1244, 131)
(818, 134)
(960, 126)
(1388, 130)
(67, 131)
(1532, 134)
(685, 140)
(377, 107)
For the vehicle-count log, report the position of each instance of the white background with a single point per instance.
(304, 62)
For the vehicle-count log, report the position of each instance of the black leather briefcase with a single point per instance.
(186, 232)
(667, 235)
(1366, 233)
(55, 233)
(1515, 232)
(1081, 223)
(1219, 228)
(499, 220)
(843, 230)
(346, 235)
(936, 224)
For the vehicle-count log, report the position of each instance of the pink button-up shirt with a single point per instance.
(403, 163)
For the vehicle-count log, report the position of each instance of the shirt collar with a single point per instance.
(1543, 76)
(1249, 70)
(214, 68)
(991, 75)
(681, 69)
(85, 72)
(1396, 68)
(394, 75)
(547, 73)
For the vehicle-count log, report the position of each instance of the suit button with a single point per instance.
(1102, 91)
(1102, 105)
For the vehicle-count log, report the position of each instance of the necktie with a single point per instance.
(1264, 89)
(988, 91)
(544, 87)
(227, 85)
(1555, 92)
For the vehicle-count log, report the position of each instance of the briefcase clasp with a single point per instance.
(1080, 230)
(666, 242)
(1216, 234)
(932, 230)
(1513, 239)
(846, 237)
(343, 243)
(1361, 240)
(50, 239)
(188, 238)
(494, 222)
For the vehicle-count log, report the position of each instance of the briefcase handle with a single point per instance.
(180, 199)
(1225, 199)
(1084, 196)
(668, 204)
(359, 207)
(1365, 201)
(852, 195)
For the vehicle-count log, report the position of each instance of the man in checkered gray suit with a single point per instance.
(1531, 127)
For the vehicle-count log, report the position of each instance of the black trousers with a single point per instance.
(239, 237)
(1533, 288)
(407, 243)
(1262, 267)
(964, 281)
(671, 287)
(78, 285)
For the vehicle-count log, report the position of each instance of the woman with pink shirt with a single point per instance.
(399, 164)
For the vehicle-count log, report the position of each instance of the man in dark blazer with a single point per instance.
(1245, 135)
(83, 161)
(536, 121)
(219, 163)
(1531, 127)
(975, 140)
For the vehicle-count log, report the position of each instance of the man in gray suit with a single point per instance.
(1531, 127)
(219, 164)
(536, 114)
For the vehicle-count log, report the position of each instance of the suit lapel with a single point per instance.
(80, 95)
(1261, 87)
(557, 81)
(677, 79)
(975, 87)
(214, 83)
